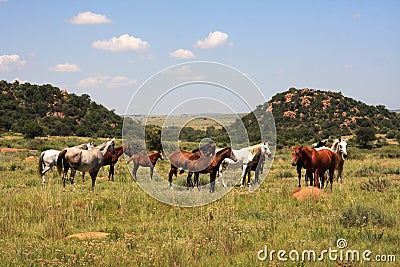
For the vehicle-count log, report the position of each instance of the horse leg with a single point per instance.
(43, 172)
(135, 168)
(71, 178)
(111, 173)
(172, 171)
(299, 175)
(248, 173)
(243, 178)
(189, 180)
(316, 178)
(93, 174)
(196, 178)
(64, 175)
(340, 171)
(83, 177)
(212, 181)
(151, 172)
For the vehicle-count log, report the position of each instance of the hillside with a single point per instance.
(311, 115)
(54, 112)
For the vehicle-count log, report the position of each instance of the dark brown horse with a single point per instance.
(315, 162)
(145, 161)
(203, 165)
(257, 167)
(179, 158)
(112, 159)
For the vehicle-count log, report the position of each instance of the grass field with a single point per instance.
(36, 221)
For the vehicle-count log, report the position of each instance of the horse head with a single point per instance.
(110, 146)
(296, 154)
(265, 149)
(232, 155)
(342, 148)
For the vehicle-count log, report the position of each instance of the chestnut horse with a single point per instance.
(316, 162)
(145, 161)
(203, 165)
(179, 158)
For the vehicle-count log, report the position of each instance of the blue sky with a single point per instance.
(107, 49)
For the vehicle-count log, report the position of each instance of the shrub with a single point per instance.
(361, 215)
(378, 184)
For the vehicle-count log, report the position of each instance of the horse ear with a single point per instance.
(340, 139)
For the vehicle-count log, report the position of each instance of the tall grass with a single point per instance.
(35, 220)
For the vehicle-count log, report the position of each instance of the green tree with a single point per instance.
(153, 137)
(32, 130)
(365, 135)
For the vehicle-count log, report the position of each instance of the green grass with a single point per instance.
(35, 220)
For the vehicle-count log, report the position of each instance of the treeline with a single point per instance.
(40, 110)
(308, 115)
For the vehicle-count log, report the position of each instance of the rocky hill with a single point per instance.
(47, 110)
(308, 115)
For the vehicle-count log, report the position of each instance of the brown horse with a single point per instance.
(257, 167)
(179, 158)
(315, 162)
(203, 165)
(112, 159)
(145, 161)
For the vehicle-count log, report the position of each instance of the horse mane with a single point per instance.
(255, 150)
(335, 145)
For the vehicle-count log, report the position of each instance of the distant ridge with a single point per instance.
(55, 111)
(309, 115)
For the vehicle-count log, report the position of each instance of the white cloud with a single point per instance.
(147, 57)
(104, 81)
(348, 66)
(214, 39)
(357, 15)
(10, 63)
(66, 67)
(89, 18)
(124, 42)
(3, 0)
(184, 73)
(182, 54)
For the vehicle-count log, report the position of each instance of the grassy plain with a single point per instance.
(35, 221)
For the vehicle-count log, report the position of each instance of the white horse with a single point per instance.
(83, 160)
(245, 159)
(48, 159)
(339, 146)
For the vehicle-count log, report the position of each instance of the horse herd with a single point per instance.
(318, 160)
(204, 160)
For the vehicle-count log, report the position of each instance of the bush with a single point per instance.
(392, 134)
(376, 185)
(32, 130)
(360, 215)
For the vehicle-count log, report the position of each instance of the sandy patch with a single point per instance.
(30, 158)
(89, 235)
(303, 193)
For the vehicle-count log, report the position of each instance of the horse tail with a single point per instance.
(40, 167)
(60, 159)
